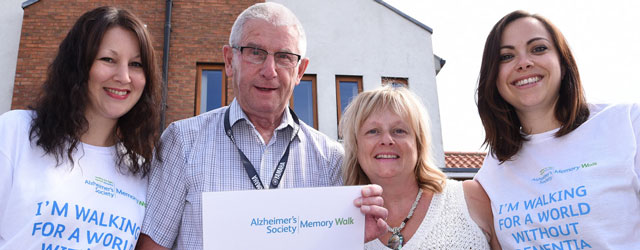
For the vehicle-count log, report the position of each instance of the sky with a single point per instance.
(604, 37)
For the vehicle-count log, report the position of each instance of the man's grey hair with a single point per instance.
(274, 13)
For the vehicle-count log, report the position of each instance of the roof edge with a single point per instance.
(402, 14)
(440, 64)
(459, 170)
(452, 175)
(465, 153)
(28, 3)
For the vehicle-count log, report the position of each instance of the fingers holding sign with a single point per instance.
(372, 205)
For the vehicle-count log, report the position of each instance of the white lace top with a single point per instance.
(447, 225)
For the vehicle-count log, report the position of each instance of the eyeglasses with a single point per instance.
(258, 56)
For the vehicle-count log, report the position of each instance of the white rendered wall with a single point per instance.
(364, 38)
(10, 26)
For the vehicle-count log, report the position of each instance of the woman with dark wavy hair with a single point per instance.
(559, 169)
(73, 170)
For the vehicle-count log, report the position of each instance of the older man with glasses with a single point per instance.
(255, 140)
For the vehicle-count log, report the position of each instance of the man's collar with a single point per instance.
(236, 114)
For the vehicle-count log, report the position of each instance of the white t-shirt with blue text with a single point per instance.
(90, 206)
(578, 191)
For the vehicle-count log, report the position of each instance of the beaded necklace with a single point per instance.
(396, 241)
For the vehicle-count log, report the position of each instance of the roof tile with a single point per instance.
(464, 159)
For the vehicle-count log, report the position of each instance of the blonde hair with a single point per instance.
(404, 103)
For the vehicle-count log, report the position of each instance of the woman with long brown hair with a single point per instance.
(560, 171)
(73, 169)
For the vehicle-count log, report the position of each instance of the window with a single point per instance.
(211, 88)
(304, 101)
(395, 80)
(347, 87)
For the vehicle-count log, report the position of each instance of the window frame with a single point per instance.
(223, 92)
(343, 78)
(314, 93)
(402, 80)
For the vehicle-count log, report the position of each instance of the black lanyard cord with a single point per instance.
(249, 168)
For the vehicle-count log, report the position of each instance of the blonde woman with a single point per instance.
(386, 141)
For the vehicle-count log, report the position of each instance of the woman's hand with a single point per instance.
(371, 204)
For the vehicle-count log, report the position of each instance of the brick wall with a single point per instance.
(199, 30)
(47, 22)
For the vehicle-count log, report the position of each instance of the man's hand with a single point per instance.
(371, 204)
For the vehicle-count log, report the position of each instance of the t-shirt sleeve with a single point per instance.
(6, 180)
(6, 170)
(167, 189)
(480, 175)
(635, 122)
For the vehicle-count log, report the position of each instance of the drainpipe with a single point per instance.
(165, 63)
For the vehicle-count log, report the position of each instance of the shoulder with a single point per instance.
(313, 134)
(478, 202)
(489, 164)
(182, 135)
(194, 127)
(479, 207)
(14, 132)
(617, 108)
(451, 185)
(202, 121)
(319, 141)
(469, 192)
(474, 192)
(16, 121)
(452, 192)
(17, 116)
(618, 114)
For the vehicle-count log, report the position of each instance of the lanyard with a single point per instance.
(248, 167)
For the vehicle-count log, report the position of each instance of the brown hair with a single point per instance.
(403, 102)
(501, 124)
(60, 119)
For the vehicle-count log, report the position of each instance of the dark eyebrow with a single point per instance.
(111, 52)
(115, 53)
(528, 42)
(536, 39)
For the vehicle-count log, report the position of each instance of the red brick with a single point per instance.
(199, 30)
